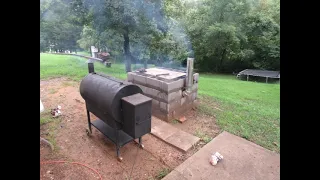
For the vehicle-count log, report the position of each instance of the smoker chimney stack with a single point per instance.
(189, 80)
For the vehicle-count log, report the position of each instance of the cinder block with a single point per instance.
(196, 77)
(169, 107)
(163, 106)
(138, 79)
(161, 96)
(174, 96)
(173, 105)
(194, 87)
(194, 96)
(189, 98)
(152, 82)
(183, 101)
(177, 113)
(143, 88)
(155, 103)
(175, 85)
(154, 93)
(130, 76)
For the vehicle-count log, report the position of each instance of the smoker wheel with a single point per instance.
(88, 132)
(120, 159)
(141, 146)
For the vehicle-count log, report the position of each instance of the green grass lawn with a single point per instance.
(74, 67)
(84, 53)
(248, 109)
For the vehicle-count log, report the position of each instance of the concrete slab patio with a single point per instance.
(243, 160)
(166, 132)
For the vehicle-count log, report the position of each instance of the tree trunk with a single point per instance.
(221, 59)
(126, 48)
(145, 64)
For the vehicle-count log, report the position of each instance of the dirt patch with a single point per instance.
(199, 123)
(72, 143)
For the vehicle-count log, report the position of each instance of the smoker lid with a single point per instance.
(167, 74)
(136, 99)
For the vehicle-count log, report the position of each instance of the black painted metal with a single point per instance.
(103, 95)
(136, 115)
(111, 133)
(124, 112)
(90, 67)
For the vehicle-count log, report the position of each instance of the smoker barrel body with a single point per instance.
(103, 96)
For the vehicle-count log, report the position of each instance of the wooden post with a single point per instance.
(247, 77)
(266, 79)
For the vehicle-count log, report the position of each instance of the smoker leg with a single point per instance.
(89, 131)
(118, 147)
(140, 143)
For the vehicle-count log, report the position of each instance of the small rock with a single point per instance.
(182, 119)
(48, 172)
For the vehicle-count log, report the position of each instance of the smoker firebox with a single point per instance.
(124, 112)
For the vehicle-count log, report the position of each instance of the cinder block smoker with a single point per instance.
(124, 112)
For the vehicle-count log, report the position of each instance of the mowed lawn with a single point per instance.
(248, 109)
(76, 68)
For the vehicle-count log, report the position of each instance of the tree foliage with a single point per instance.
(222, 35)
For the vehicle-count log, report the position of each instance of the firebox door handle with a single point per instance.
(147, 119)
(140, 122)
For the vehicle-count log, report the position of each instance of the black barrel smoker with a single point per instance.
(124, 112)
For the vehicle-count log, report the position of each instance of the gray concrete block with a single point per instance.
(156, 83)
(163, 106)
(138, 79)
(174, 96)
(155, 93)
(161, 96)
(173, 105)
(152, 82)
(175, 85)
(155, 103)
(194, 95)
(183, 101)
(169, 107)
(196, 77)
(130, 76)
(194, 87)
(143, 88)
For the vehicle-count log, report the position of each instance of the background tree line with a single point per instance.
(222, 35)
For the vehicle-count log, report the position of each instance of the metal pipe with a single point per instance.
(90, 67)
(189, 79)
